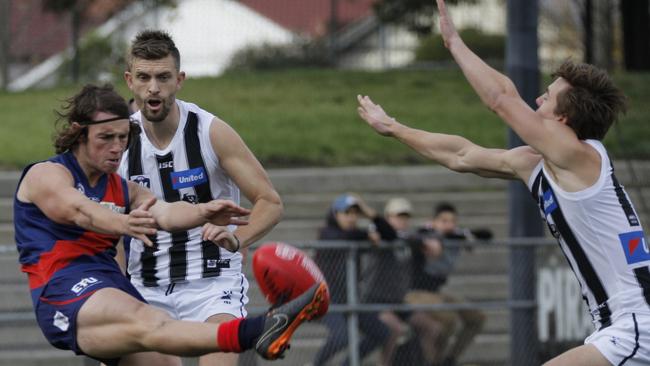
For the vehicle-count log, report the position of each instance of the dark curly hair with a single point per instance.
(592, 103)
(80, 108)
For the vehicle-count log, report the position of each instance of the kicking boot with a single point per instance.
(283, 320)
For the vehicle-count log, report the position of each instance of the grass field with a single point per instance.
(308, 117)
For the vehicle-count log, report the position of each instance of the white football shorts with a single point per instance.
(626, 341)
(197, 300)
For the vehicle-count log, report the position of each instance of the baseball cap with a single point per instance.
(398, 206)
(344, 202)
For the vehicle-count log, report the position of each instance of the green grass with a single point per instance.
(308, 117)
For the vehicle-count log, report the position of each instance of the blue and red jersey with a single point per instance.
(48, 249)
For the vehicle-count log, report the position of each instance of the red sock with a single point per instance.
(228, 336)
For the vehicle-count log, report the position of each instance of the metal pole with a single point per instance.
(383, 42)
(5, 29)
(353, 316)
(522, 66)
(589, 31)
(76, 23)
(333, 28)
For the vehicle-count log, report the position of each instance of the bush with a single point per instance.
(274, 57)
(100, 58)
(486, 46)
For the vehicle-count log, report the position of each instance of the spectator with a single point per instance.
(342, 223)
(432, 263)
(384, 276)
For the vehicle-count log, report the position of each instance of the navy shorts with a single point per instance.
(63, 296)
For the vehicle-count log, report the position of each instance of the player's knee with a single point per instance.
(147, 322)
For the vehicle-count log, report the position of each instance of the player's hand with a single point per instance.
(375, 116)
(221, 236)
(140, 222)
(223, 213)
(447, 28)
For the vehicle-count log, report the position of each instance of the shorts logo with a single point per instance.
(188, 178)
(635, 247)
(227, 296)
(217, 263)
(61, 321)
(84, 284)
(142, 180)
(549, 202)
(80, 188)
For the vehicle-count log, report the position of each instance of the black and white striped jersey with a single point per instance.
(602, 238)
(189, 170)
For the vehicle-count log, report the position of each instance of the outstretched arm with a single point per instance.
(50, 187)
(182, 215)
(547, 135)
(454, 152)
(488, 83)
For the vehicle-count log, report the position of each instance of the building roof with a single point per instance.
(37, 34)
(310, 17)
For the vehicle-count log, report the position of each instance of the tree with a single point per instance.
(5, 30)
(636, 34)
(598, 24)
(416, 14)
(76, 8)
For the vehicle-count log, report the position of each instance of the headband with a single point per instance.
(87, 123)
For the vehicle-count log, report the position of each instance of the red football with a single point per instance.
(284, 272)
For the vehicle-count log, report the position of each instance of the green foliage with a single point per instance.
(269, 57)
(415, 14)
(59, 6)
(308, 117)
(486, 46)
(100, 59)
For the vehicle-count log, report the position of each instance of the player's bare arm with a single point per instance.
(50, 187)
(251, 178)
(182, 215)
(547, 133)
(454, 152)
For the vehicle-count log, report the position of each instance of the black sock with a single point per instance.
(250, 329)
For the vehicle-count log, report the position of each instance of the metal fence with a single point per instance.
(476, 290)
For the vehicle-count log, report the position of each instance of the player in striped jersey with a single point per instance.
(187, 154)
(567, 169)
(69, 213)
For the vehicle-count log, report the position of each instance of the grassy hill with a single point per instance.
(308, 117)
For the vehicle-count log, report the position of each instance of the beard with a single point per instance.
(157, 116)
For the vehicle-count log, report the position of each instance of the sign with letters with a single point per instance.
(563, 320)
